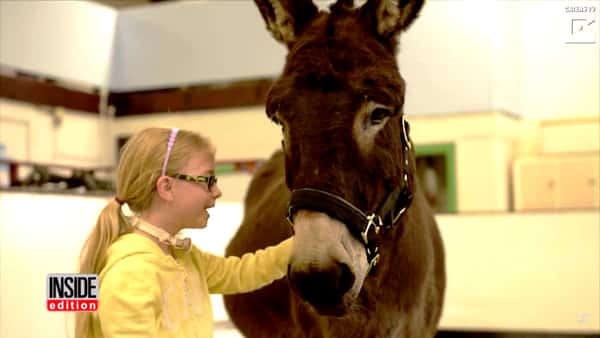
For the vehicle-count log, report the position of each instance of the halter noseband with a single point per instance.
(365, 227)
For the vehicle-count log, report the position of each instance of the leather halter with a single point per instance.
(365, 227)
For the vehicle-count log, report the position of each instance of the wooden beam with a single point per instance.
(198, 97)
(141, 103)
(191, 98)
(46, 93)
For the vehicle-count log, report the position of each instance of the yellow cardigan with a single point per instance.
(145, 293)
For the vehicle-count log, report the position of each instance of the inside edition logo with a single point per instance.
(72, 292)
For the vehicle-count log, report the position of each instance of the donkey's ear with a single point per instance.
(286, 18)
(389, 17)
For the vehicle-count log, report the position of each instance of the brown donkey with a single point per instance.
(368, 259)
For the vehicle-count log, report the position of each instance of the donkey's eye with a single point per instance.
(378, 115)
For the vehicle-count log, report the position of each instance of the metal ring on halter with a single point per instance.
(372, 220)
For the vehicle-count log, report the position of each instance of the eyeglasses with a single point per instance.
(209, 180)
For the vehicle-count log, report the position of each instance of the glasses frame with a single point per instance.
(210, 181)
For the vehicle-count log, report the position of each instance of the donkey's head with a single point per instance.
(347, 154)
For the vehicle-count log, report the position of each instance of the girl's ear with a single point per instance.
(164, 187)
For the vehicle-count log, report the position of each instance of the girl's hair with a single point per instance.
(138, 170)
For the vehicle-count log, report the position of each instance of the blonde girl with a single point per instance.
(153, 283)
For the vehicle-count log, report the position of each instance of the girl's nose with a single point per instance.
(216, 191)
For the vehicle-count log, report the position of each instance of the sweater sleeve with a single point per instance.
(252, 271)
(128, 301)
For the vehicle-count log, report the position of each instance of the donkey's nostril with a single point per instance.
(323, 286)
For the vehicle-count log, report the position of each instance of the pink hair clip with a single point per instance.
(169, 147)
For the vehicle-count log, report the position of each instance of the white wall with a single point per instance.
(571, 135)
(39, 234)
(192, 42)
(240, 133)
(501, 55)
(445, 60)
(557, 78)
(30, 134)
(522, 272)
(504, 30)
(67, 40)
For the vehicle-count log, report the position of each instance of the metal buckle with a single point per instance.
(372, 220)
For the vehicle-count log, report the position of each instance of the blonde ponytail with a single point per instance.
(111, 223)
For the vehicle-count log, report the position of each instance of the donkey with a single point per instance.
(368, 259)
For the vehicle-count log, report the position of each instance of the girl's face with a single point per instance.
(191, 199)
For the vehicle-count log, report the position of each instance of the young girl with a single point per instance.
(152, 283)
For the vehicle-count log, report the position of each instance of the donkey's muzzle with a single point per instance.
(324, 288)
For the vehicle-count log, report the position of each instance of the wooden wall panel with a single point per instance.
(47, 93)
(251, 92)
